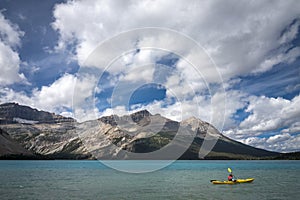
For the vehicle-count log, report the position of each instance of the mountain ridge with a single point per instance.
(13, 112)
(44, 135)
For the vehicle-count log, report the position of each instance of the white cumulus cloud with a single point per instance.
(280, 143)
(277, 117)
(238, 35)
(58, 97)
(10, 39)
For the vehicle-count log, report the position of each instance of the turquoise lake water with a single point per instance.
(180, 180)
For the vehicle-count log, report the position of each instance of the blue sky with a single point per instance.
(47, 47)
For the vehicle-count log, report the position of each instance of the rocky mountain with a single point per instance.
(28, 132)
(10, 147)
(15, 113)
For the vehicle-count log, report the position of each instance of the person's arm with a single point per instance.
(233, 177)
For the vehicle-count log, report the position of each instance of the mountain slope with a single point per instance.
(10, 147)
(224, 148)
(140, 135)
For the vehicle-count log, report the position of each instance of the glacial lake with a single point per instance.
(64, 179)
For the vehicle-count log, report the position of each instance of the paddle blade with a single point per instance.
(229, 170)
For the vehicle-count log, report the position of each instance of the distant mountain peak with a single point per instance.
(142, 112)
(138, 116)
(135, 117)
(16, 113)
(191, 119)
(194, 122)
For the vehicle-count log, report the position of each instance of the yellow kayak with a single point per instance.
(248, 180)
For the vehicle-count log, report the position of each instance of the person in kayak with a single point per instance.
(231, 177)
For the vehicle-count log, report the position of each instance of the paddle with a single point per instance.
(229, 170)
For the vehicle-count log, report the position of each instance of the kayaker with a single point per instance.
(231, 177)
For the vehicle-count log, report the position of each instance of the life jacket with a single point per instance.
(230, 178)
